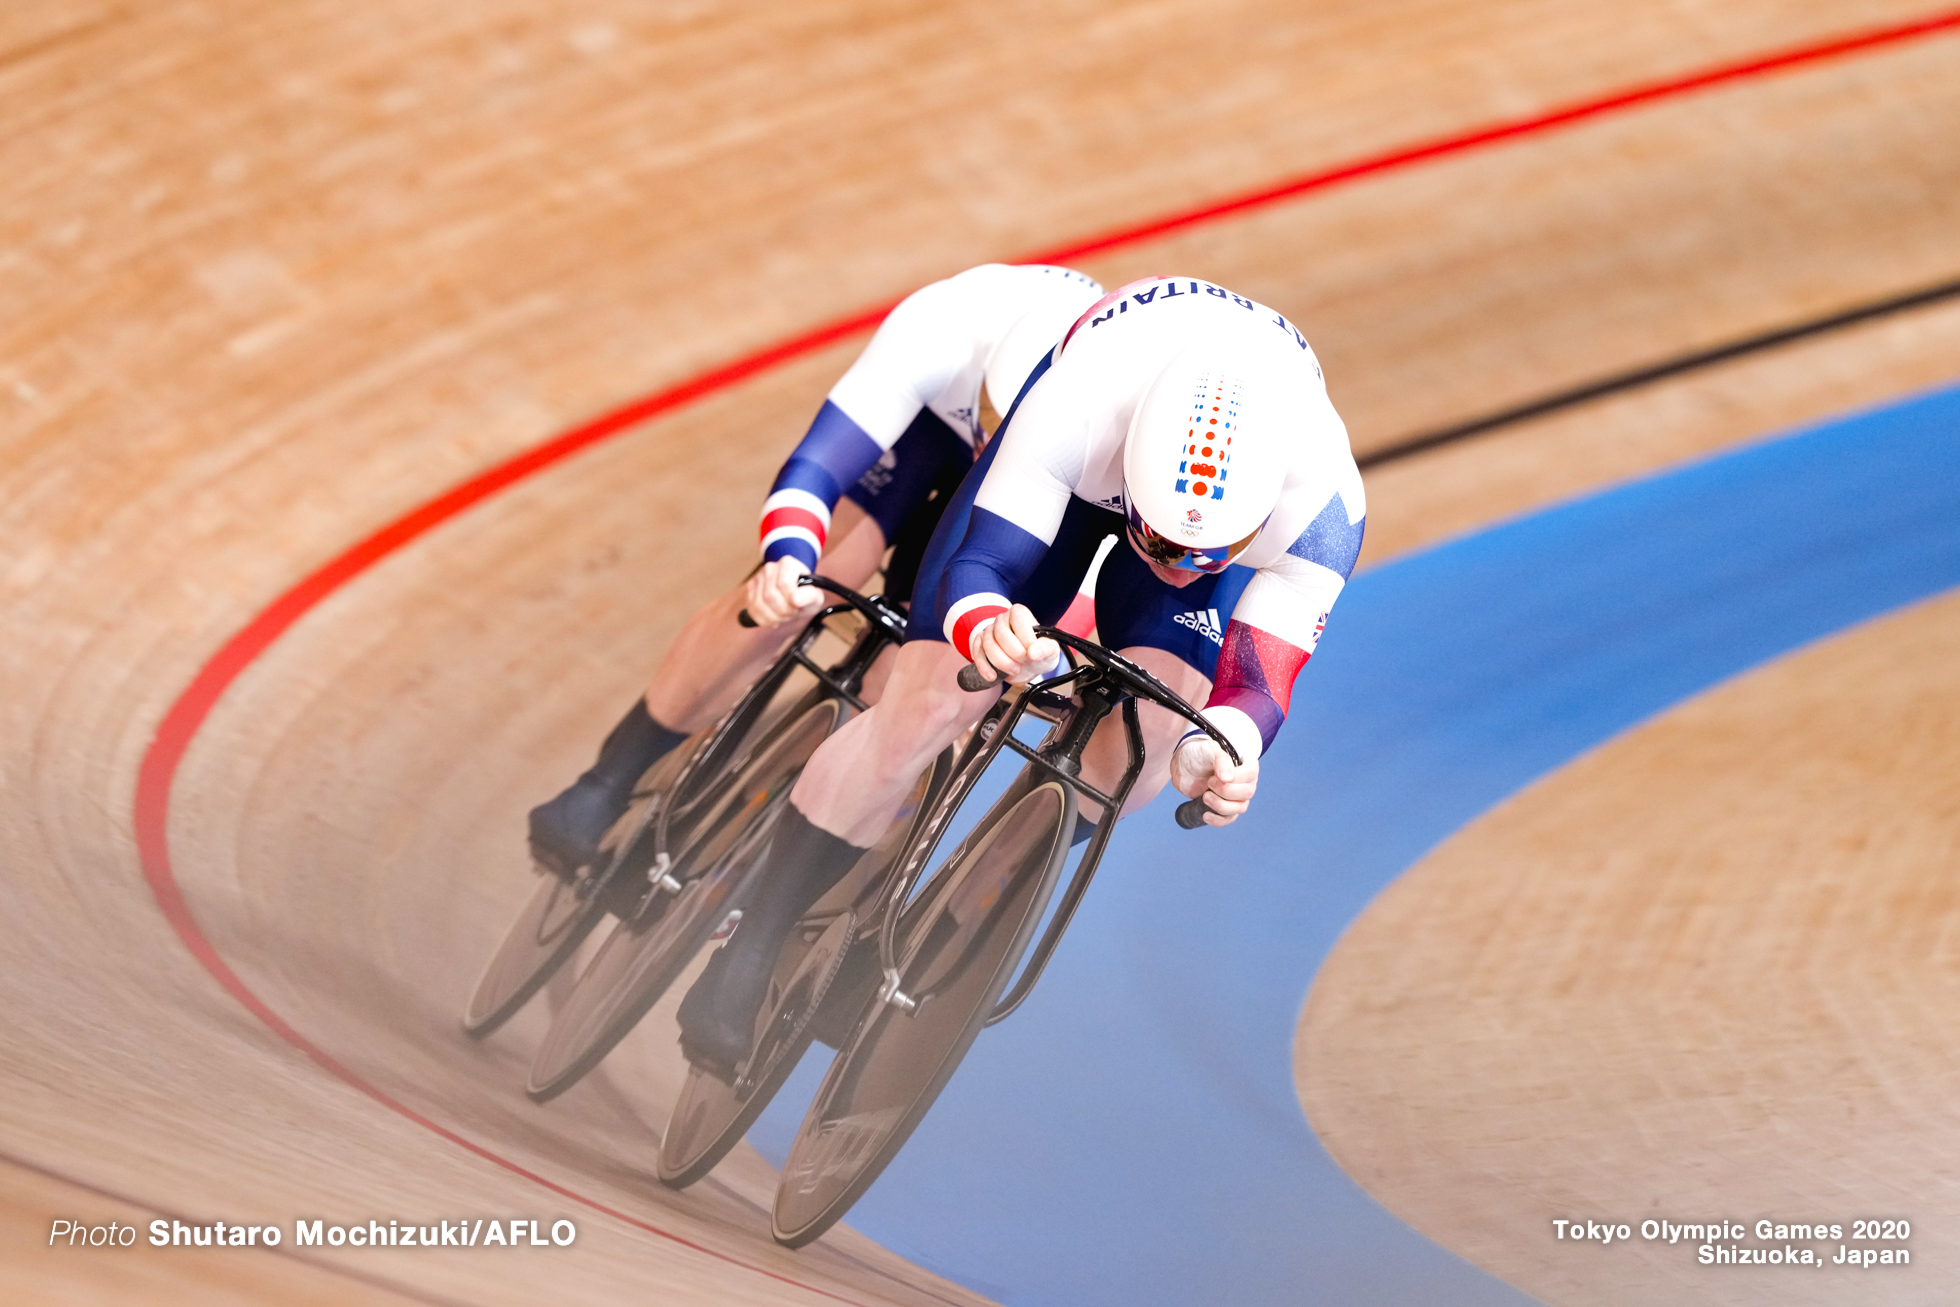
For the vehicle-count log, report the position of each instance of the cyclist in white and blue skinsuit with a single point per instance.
(879, 463)
(1193, 423)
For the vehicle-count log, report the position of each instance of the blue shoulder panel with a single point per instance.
(1330, 539)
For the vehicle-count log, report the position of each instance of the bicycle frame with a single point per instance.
(1102, 683)
(884, 625)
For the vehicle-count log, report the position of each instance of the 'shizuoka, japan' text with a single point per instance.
(1776, 1243)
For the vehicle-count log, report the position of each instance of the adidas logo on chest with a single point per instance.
(1205, 622)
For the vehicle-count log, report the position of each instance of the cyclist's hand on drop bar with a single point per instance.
(1006, 648)
(774, 594)
(1201, 770)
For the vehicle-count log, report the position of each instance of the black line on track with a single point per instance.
(1612, 385)
(400, 1290)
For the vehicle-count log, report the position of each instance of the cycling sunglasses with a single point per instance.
(1166, 552)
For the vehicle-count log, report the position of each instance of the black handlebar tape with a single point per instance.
(973, 680)
(1191, 813)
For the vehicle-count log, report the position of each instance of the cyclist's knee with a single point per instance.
(924, 689)
(878, 677)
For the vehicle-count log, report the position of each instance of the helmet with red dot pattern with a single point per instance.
(1205, 460)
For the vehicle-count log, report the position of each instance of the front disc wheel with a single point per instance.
(648, 950)
(956, 962)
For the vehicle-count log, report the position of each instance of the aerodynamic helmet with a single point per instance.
(1205, 459)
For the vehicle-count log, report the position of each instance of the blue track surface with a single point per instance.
(1132, 1136)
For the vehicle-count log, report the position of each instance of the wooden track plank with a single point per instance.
(1500, 276)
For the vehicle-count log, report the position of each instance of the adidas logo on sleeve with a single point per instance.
(1205, 622)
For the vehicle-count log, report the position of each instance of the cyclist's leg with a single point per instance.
(1175, 633)
(853, 786)
(712, 662)
(565, 830)
(859, 778)
(715, 659)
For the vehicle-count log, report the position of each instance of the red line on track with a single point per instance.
(1423, 151)
(187, 714)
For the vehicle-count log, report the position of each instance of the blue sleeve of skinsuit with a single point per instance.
(833, 454)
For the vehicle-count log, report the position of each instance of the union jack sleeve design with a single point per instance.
(1256, 671)
(794, 524)
(965, 617)
(1330, 540)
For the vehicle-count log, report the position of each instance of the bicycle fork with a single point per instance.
(1059, 755)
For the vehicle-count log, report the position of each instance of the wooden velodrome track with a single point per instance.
(276, 276)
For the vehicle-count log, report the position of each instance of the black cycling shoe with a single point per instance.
(717, 1017)
(565, 831)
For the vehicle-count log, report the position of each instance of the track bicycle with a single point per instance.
(901, 982)
(664, 806)
(689, 867)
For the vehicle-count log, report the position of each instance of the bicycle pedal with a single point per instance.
(544, 866)
(661, 875)
(708, 1064)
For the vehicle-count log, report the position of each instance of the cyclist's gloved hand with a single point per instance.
(1200, 767)
(774, 596)
(1007, 647)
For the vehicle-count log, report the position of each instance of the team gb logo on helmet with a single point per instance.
(1202, 470)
